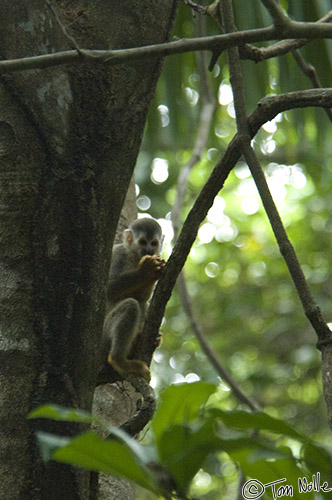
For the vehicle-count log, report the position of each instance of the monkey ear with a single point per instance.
(128, 236)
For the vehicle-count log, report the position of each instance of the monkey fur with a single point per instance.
(135, 268)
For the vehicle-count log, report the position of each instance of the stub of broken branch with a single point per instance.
(139, 420)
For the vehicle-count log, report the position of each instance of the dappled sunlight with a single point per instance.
(143, 203)
(250, 205)
(225, 94)
(206, 233)
(212, 269)
(159, 172)
(164, 115)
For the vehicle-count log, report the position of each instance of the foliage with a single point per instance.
(186, 431)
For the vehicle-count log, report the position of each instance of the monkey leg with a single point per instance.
(120, 330)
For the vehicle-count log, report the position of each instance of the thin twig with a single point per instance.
(195, 6)
(218, 43)
(64, 30)
(280, 19)
(279, 48)
(206, 348)
(249, 51)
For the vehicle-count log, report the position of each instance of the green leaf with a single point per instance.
(318, 459)
(56, 412)
(262, 421)
(283, 473)
(63, 414)
(180, 403)
(265, 464)
(92, 452)
(183, 450)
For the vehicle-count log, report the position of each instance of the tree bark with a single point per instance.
(69, 138)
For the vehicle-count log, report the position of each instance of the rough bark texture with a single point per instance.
(69, 137)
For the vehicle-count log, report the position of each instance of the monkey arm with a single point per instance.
(132, 278)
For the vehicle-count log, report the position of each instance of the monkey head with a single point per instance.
(144, 236)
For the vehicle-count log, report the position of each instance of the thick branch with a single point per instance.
(139, 420)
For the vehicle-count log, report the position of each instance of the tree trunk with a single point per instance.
(69, 138)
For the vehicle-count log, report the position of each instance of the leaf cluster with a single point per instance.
(186, 431)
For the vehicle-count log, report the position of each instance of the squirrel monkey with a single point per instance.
(135, 267)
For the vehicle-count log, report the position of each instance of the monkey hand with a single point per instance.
(151, 267)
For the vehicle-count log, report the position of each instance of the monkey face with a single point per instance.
(148, 247)
(144, 236)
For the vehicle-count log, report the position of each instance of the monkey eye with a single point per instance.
(142, 242)
(154, 243)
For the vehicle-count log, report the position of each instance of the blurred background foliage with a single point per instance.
(240, 287)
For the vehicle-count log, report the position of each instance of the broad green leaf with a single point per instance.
(92, 452)
(274, 479)
(261, 421)
(180, 403)
(183, 450)
(63, 414)
(318, 459)
(263, 465)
